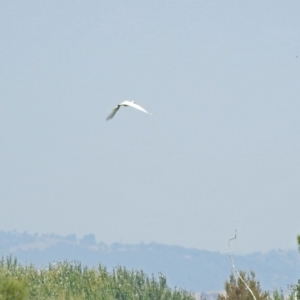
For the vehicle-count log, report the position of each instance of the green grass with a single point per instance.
(73, 281)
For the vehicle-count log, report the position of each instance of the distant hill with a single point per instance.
(192, 269)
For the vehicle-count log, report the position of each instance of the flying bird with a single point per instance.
(125, 103)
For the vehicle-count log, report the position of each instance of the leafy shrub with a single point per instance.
(72, 281)
(235, 289)
(13, 289)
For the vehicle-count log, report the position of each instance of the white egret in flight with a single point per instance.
(125, 103)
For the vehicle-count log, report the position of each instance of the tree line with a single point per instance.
(73, 281)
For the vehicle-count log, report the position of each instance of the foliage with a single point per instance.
(297, 291)
(13, 289)
(235, 289)
(278, 295)
(72, 281)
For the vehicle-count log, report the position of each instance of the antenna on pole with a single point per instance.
(235, 270)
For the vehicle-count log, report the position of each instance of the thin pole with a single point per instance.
(235, 236)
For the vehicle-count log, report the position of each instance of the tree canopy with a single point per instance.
(235, 289)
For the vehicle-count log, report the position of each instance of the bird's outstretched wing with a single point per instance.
(134, 105)
(113, 112)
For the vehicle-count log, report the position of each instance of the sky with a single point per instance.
(220, 152)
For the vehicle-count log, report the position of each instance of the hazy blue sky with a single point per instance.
(220, 152)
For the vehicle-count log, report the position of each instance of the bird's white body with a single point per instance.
(126, 103)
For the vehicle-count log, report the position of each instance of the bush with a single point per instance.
(72, 281)
(13, 289)
(235, 289)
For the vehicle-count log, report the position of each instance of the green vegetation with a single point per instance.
(72, 281)
(297, 291)
(13, 289)
(279, 295)
(235, 289)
